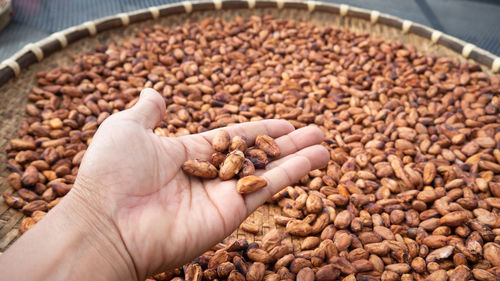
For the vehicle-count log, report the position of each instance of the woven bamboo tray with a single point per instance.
(17, 74)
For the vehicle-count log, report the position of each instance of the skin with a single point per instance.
(132, 211)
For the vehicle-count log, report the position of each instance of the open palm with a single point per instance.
(164, 217)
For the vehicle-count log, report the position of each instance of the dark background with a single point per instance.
(475, 21)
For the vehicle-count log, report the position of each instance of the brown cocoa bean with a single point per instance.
(258, 157)
(13, 201)
(342, 264)
(26, 224)
(14, 180)
(460, 273)
(298, 264)
(305, 274)
(256, 272)
(327, 273)
(483, 275)
(200, 168)
(193, 272)
(248, 169)
(259, 255)
(250, 227)
(454, 218)
(224, 269)
(268, 145)
(27, 194)
(314, 203)
(30, 176)
(343, 219)
(250, 184)
(438, 254)
(298, 228)
(37, 205)
(238, 143)
(221, 141)
(491, 252)
(231, 165)
(310, 243)
(217, 159)
(235, 276)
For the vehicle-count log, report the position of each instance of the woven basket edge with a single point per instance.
(35, 52)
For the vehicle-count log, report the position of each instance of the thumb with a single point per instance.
(149, 110)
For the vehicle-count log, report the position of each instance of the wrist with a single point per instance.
(87, 219)
(72, 242)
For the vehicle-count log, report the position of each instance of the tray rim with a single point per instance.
(35, 52)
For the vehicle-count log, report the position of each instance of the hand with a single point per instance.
(130, 183)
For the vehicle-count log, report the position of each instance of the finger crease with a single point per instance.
(224, 226)
(186, 152)
(190, 193)
(288, 178)
(307, 161)
(207, 139)
(269, 193)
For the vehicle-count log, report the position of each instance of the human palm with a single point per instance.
(165, 217)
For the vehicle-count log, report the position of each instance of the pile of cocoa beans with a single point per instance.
(412, 190)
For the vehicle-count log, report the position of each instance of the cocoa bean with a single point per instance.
(200, 168)
(268, 145)
(221, 141)
(250, 184)
(231, 165)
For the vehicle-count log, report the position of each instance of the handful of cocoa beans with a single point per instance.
(233, 157)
